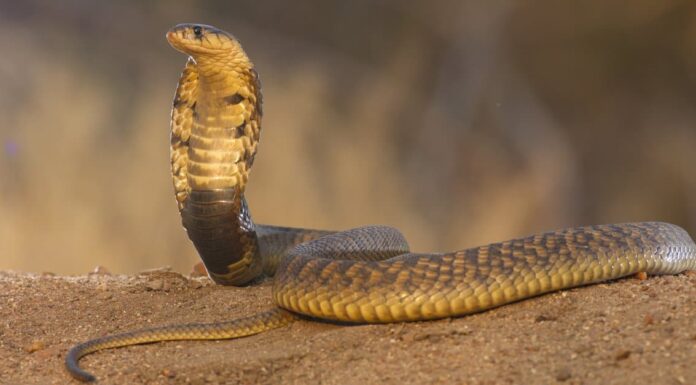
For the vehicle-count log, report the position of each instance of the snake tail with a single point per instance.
(242, 327)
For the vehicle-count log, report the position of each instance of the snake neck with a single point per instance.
(225, 122)
(220, 226)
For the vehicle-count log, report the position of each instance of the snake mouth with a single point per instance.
(196, 39)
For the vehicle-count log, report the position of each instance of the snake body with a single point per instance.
(363, 275)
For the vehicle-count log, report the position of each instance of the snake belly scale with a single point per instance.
(363, 275)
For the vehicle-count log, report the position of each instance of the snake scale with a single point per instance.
(363, 275)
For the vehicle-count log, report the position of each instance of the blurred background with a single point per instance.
(459, 122)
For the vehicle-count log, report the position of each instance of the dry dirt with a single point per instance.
(625, 332)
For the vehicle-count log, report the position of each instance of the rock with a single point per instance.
(48, 353)
(155, 285)
(545, 317)
(622, 355)
(156, 270)
(34, 346)
(102, 286)
(100, 270)
(648, 319)
(563, 374)
(199, 270)
(104, 296)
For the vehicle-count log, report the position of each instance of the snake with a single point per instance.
(361, 275)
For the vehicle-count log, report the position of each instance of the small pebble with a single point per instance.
(648, 319)
(104, 296)
(544, 317)
(563, 374)
(48, 353)
(199, 270)
(155, 285)
(408, 337)
(34, 346)
(622, 355)
(163, 269)
(100, 270)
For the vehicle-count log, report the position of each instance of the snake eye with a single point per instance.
(198, 31)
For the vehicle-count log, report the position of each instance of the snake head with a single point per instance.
(200, 40)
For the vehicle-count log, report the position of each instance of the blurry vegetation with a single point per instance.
(459, 122)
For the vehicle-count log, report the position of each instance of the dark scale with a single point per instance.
(239, 130)
(233, 99)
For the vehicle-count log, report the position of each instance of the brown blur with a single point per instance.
(459, 122)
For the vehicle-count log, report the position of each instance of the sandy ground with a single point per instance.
(624, 332)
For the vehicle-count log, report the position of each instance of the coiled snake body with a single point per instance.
(364, 275)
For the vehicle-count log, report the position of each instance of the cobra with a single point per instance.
(363, 275)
